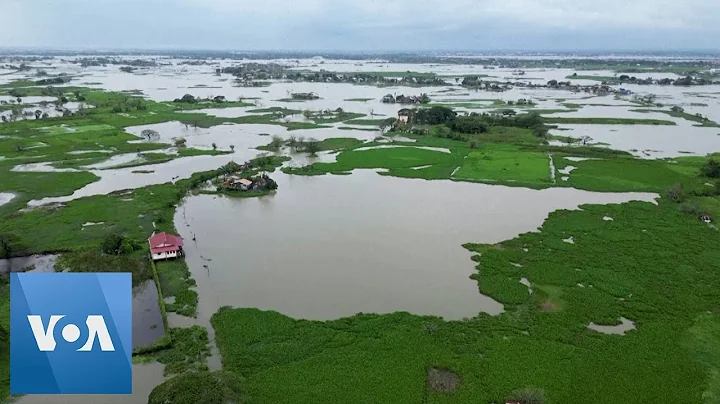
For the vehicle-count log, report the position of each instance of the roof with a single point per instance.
(164, 240)
(245, 181)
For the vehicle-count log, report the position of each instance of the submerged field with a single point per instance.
(129, 161)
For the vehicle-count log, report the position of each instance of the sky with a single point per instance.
(362, 25)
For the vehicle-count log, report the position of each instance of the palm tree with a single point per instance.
(232, 148)
(38, 114)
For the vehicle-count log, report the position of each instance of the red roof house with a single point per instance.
(164, 245)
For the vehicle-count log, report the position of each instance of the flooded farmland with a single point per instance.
(325, 247)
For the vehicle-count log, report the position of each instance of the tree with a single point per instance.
(508, 112)
(180, 142)
(149, 134)
(15, 114)
(307, 114)
(276, 142)
(38, 114)
(214, 146)
(552, 83)
(711, 169)
(10, 245)
(677, 109)
(45, 115)
(232, 148)
(386, 124)
(676, 193)
(527, 395)
(112, 244)
(312, 146)
(585, 139)
(4, 118)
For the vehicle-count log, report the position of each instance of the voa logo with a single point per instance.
(71, 333)
(45, 336)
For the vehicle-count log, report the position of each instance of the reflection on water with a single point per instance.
(332, 246)
(147, 320)
(32, 263)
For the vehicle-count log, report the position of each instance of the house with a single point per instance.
(235, 182)
(404, 115)
(244, 184)
(624, 91)
(388, 99)
(164, 246)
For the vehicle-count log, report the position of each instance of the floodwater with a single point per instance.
(620, 329)
(147, 319)
(332, 246)
(32, 263)
(6, 197)
(145, 377)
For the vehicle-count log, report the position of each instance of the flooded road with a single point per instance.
(332, 246)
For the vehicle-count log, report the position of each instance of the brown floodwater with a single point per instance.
(333, 246)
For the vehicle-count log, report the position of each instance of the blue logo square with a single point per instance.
(71, 333)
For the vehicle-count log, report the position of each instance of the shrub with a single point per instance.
(711, 169)
(676, 193)
(527, 395)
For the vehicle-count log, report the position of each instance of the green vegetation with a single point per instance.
(679, 113)
(505, 163)
(626, 268)
(369, 122)
(176, 282)
(359, 99)
(199, 387)
(607, 121)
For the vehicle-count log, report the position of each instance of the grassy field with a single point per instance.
(504, 163)
(702, 121)
(628, 267)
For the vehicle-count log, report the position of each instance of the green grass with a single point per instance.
(369, 122)
(503, 163)
(703, 122)
(388, 158)
(663, 264)
(627, 174)
(607, 121)
(176, 282)
(359, 99)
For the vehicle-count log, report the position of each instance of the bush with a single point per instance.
(676, 193)
(711, 169)
(692, 208)
(199, 388)
(527, 395)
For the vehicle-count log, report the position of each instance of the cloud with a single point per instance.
(366, 24)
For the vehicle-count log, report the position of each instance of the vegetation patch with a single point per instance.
(201, 387)
(607, 121)
(175, 281)
(628, 267)
(496, 162)
(442, 380)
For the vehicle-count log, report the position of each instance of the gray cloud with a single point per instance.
(363, 25)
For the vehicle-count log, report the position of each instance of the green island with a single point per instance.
(648, 272)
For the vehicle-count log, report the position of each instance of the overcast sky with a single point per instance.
(381, 25)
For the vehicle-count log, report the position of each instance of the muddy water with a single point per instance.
(620, 329)
(33, 263)
(6, 197)
(332, 246)
(145, 377)
(147, 319)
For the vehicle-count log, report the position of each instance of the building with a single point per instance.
(388, 99)
(244, 184)
(404, 115)
(164, 246)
